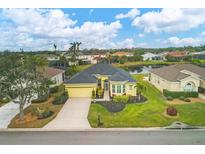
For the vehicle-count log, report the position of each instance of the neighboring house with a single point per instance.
(56, 75)
(122, 53)
(111, 79)
(180, 77)
(198, 55)
(53, 58)
(177, 54)
(150, 56)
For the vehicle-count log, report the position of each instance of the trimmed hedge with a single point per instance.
(45, 114)
(178, 94)
(61, 99)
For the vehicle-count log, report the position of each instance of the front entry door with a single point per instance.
(106, 85)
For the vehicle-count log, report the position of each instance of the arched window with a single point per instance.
(189, 87)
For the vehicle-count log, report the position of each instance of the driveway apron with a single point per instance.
(73, 115)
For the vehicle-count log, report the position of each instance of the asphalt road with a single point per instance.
(104, 137)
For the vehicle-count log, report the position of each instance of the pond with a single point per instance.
(142, 69)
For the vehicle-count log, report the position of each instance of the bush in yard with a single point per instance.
(4, 100)
(99, 92)
(171, 111)
(187, 100)
(121, 99)
(178, 94)
(40, 100)
(93, 94)
(45, 114)
(182, 98)
(169, 98)
(54, 89)
(61, 99)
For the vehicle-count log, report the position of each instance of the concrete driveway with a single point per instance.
(73, 115)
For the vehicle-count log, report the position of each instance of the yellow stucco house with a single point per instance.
(180, 77)
(113, 80)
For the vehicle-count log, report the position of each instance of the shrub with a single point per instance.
(61, 99)
(40, 100)
(171, 111)
(182, 98)
(93, 94)
(45, 114)
(187, 100)
(177, 94)
(121, 99)
(99, 92)
(4, 100)
(54, 89)
(169, 98)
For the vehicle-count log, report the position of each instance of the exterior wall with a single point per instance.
(127, 85)
(161, 83)
(58, 79)
(202, 84)
(80, 90)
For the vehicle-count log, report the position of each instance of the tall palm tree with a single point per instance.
(74, 49)
(78, 45)
(55, 47)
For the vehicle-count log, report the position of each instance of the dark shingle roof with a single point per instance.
(173, 72)
(88, 75)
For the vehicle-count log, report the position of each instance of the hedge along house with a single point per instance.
(113, 80)
(180, 77)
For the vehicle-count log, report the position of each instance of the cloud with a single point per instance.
(127, 43)
(170, 20)
(36, 29)
(179, 42)
(141, 35)
(131, 14)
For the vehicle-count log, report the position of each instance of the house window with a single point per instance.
(123, 88)
(118, 88)
(113, 88)
(130, 87)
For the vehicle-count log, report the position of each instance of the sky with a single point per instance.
(39, 29)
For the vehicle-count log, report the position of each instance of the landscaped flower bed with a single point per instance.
(117, 105)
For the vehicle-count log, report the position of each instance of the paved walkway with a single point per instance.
(73, 115)
(8, 112)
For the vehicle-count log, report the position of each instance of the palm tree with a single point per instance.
(74, 49)
(78, 45)
(139, 89)
(109, 56)
(55, 47)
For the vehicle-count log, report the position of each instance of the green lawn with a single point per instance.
(148, 114)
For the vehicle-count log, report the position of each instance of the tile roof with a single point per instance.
(174, 72)
(88, 75)
(49, 72)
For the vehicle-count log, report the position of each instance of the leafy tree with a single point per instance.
(21, 80)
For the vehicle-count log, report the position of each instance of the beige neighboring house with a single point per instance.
(56, 75)
(114, 81)
(180, 77)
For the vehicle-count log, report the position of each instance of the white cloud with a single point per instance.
(131, 14)
(170, 20)
(175, 41)
(141, 35)
(203, 33)
(127, 43)
(39, 28)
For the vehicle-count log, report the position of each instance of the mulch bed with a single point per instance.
(117, 107)
(111, 106)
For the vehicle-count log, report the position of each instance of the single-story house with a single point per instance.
(55, 75)
(198, 55)
(177, 54)
(150, 56)
(114, 80)
(180, 77)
